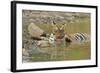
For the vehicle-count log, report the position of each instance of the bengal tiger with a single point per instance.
(60, 35)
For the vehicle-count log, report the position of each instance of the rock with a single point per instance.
(35, 31)
(43, 43)
(25, 52)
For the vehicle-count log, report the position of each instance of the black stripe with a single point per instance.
(76, 37)
(83, 35)
(81, 38)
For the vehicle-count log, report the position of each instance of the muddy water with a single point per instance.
(59, 53)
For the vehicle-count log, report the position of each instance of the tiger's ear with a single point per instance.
(62, 27)
(54, 25)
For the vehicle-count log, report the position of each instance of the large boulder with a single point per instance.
(35, 31)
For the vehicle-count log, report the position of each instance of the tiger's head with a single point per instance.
(58, 31)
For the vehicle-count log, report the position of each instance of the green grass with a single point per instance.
(83, 26)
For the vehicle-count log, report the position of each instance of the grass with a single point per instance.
(83, 26)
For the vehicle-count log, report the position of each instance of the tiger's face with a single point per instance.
(58, 31)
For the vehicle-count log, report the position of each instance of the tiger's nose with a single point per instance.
(59, 37)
